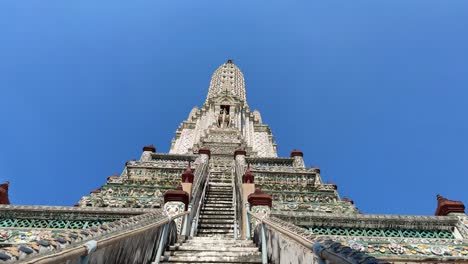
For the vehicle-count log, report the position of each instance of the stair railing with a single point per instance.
(201, 176)
(237, 186)
(164, 236)
(326, 251)
(196, 218)
(81, 252)
(235, 202)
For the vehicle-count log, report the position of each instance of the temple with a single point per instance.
(222, 195)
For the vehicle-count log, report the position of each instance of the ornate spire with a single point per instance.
(228, 78)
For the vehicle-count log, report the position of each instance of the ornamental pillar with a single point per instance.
(147, 150)
(205, 154)
(448, 207)
(4, 193)
(247, 187)
(260, 204)
(318, 179)
(176, 202)
(298, 158)
(187, 181)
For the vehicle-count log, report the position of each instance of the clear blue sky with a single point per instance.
(374, 92)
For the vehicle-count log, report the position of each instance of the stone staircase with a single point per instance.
(215, 249)
(214, 242)
(217, 214)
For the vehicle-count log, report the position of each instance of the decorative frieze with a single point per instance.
(390, 243)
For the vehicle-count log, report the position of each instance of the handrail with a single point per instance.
(82, 250)
(201, 177)
(234, 197)
(323, 250)
(304, 242)
(194, 227)
(237, 185)
(198, 173)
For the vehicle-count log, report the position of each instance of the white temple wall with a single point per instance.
(262, 145)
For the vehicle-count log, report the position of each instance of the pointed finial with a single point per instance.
(248, 177)
(346, 199)
(4, 193)
(150, 148)
(188, 176)
(296, 153)
(446, 206)
(259, 198)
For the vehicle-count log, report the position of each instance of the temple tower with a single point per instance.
(225, 123)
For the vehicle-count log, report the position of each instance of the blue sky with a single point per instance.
(373, 92)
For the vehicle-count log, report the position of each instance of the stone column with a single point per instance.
(176, 202)
(205, 154)
(260, 204)
(318, 179)
(298, 158)
(187, 181)
(248, 186)
(147, 150)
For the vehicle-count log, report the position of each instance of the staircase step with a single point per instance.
(216, 221)
(214, 213)
(215, 206)
(228, 181)
(223, 180)
(213, 200)
(217, 217)
(206, 243)
(214, 253)
(219, 194)
(216, 226)
(215, 231)
(228, 235)
(215, 259)
(219, 201)
(217, 210)
(217, 240)
(214, 247)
